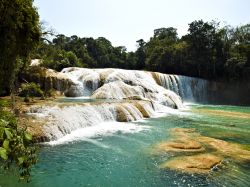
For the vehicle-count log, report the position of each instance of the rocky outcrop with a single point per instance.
(48, 79)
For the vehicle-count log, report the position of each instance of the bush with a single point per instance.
(50, 93)
(16, 145)
(31, 90)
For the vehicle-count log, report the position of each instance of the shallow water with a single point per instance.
(81, 100)
(120, 154)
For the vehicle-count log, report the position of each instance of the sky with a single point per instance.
(123, 22)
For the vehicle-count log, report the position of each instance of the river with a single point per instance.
(124, 154)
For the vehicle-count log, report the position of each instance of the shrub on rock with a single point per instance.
(31, 90)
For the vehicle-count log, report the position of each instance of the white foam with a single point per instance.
(102, 129)
(39, 115)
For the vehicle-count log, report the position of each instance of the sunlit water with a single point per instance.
(110, 155)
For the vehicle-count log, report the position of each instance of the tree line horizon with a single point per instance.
(207, 51)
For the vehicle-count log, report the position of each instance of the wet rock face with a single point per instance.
(48, 78)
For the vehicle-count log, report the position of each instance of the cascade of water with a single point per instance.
(62, 120)
(180, 87)
(149, 92)
(175, 84)
(135, 113)
(170, 83)
(194, 89)
(189, 88)
(119, 84)
(167, 82)
(86, 80)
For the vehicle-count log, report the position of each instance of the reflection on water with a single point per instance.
(119, 158)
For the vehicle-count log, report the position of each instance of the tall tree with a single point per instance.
(201, 39)
(140, 53)
(162, 33)
(19, 34)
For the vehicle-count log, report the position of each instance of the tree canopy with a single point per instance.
(207, 51)
(19, 34)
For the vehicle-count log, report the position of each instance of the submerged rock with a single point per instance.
(184, 145)
(201, 163)
(227, 149)
(229, 114)
(189, 141)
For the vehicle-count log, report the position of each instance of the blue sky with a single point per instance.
(125, 21)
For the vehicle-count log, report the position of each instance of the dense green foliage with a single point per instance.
(82, 52)
(16, 146)
(207, 51)
(19, 34)
(31, 90)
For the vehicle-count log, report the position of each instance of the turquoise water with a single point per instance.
(126, 159)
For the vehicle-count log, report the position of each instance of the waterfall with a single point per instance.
(189, 88)
(136, 95)
(63, 119)
(194, 89)
(86, 81)
(121, 84)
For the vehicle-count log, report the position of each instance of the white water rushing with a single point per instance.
(146, 94)
(126, 83)
(68, 122)
(190, 89)
(102, 129)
